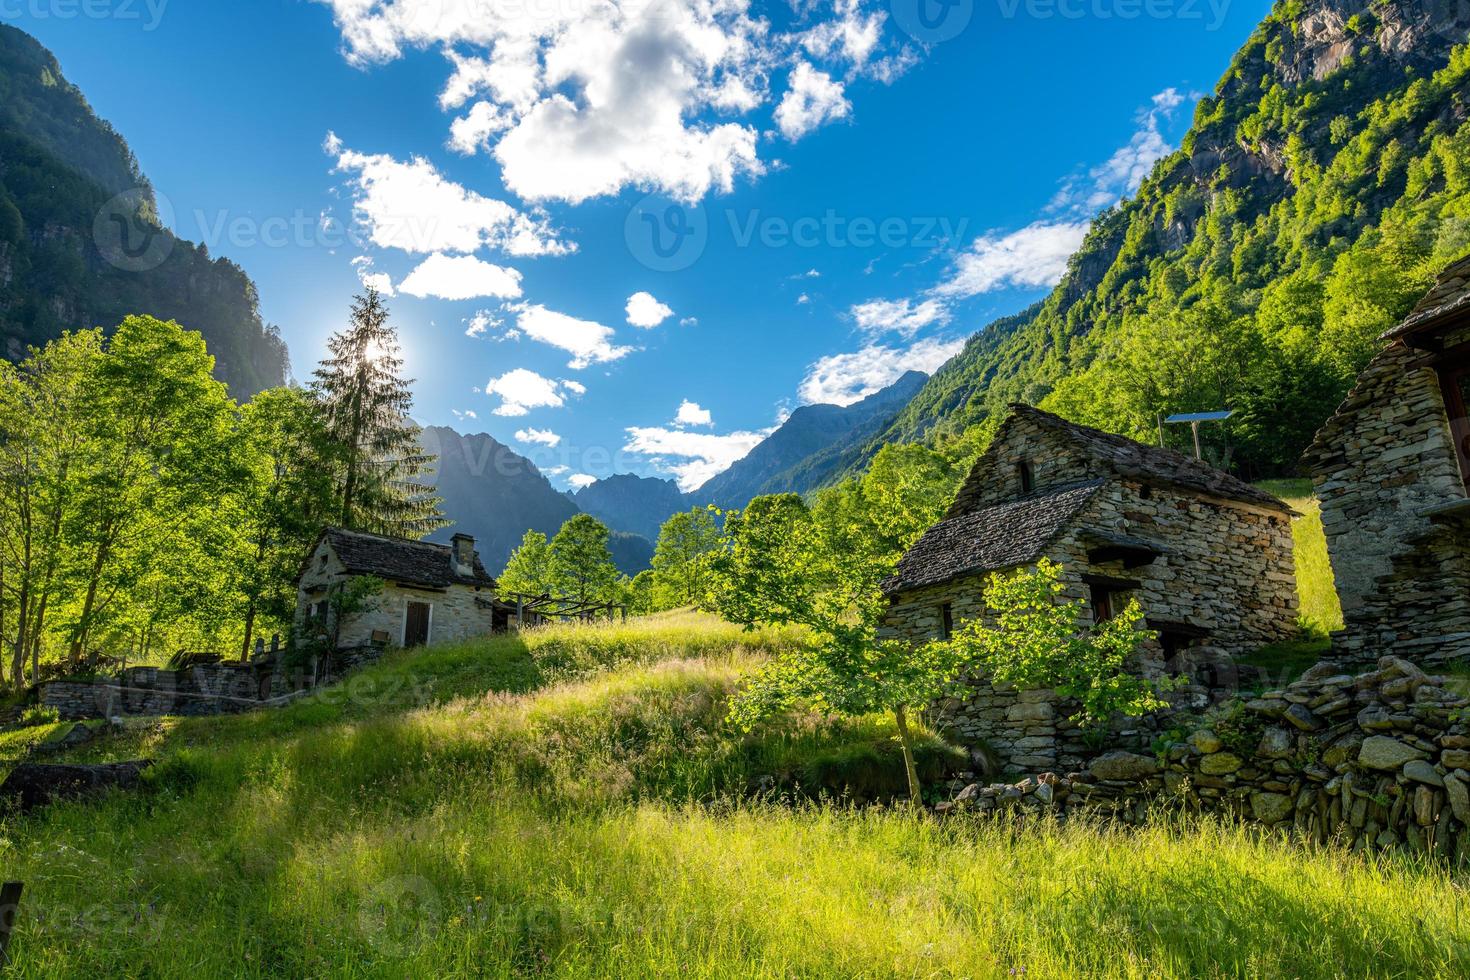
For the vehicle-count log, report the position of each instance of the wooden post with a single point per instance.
(520, 612)
(9, 909)
(1197, 453)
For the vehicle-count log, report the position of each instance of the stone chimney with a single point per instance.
(464, 554)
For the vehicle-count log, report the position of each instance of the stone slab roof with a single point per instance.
(1449, 297)
(1002, 536)
(401, 560)
(1147, 463)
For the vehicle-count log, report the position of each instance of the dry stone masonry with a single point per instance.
(1374, 760)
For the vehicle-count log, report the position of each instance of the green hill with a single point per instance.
(570, 803)
(1320, 188)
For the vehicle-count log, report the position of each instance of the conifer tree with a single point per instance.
(365, 404)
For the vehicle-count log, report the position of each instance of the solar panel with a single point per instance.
(1200, 417)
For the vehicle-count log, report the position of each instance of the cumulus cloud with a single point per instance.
(538, 437)
(694, 458)
(843, 379)
(812, 100)
(1034, 256)
(646, 312)
(481, 323)
(412, 207)
(587, 341)
(691, 413)
(579, 100)
(903, 317)
(522, 390)
(458, 277)
(581, 481)
(1108, 183)
(380, 281)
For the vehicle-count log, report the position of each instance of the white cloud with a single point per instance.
(380, 281)
(538, 437)
(812, 100)
(803, 299)
(1123, 172)
(691, 413)
(481, 323)
(466, 415)
(1032, 257)
(646, 312)
(903, 317)
(575, 387)
(458, 277)
(582, 99)
(843, 379)
(587, 341)
(689, 321)
(692, 457)
(411, 207)
(580, 481)
(522, 390)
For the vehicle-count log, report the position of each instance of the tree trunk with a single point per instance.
(84, 624)
(906, 742)
(249, 632)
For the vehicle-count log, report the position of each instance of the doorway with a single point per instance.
(1454, 379)
(416, 624)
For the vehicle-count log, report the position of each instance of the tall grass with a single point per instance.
(1321, 612)
(571, 803)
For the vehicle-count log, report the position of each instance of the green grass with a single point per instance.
(1321, 612)
(571, 803)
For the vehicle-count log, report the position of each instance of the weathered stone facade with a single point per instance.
(1376, 760)
(1213, 572)
(1389, 476)
(460, 597)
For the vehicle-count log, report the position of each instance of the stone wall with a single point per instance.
(1385, 470)
(1228, 569)
(1374, 760)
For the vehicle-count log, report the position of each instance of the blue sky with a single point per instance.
(840, 192)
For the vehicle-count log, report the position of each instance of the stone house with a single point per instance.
(1392, 471)
(432, 593)
(1208, 558)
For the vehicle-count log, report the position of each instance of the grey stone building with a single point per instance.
(1207, 556)
(1392, 469)
(432, 593)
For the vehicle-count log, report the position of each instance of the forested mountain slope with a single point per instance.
(81, 243)
(1320, 188)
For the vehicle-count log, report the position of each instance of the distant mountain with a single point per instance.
(81, 240)
(636, 504)
(810, 449)
(492, 493)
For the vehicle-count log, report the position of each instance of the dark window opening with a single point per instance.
(1102, 604)
(416, 625)
(1454, 379)
(1028, 479)
(946, 621)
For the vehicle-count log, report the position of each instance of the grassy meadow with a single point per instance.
(571, 803)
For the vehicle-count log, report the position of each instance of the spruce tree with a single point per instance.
(365, 405)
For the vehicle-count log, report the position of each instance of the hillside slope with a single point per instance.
(81, 243)
(1319, 189)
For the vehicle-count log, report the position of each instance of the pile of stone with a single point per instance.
(1379, 759)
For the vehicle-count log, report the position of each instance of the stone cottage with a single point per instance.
(1207, 556)
(432, 593)
(1392, 469)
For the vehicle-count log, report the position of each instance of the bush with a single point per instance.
(39, 715)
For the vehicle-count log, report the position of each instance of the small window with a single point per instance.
(1102, 604)
(1028, 479)
(322, 561)
(946, 621)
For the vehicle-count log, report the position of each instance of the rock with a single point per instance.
(34, 785)
(1276, 743)
(1424, 806)
(968, 793)
(1271, 807)
(1301, 716)
(1045, 793)
(1125, 766)
(1269, 707)
(1455, 759)
(1422, 772)
(1206, 741)
(1384, 752)
(1459, 799)
(1220, 764)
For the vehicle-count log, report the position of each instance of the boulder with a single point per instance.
(1271, 807)
(1459, 799)
(1206, 741)
(1276, 743)
(1302, 717)
(1422, 772)
(1386, 753)
(1220, 763)
(32, 785)
(1124, 766)
(1455, 758)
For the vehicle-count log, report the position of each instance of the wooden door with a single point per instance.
(1454, 377)
(416, 624)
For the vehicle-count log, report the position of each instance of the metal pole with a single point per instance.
(1197, 454)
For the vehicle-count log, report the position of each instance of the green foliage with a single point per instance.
(1035, 641)
(581, 564)
(529, 571)
(687, 544)
(39, 714)
(1239, 728)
